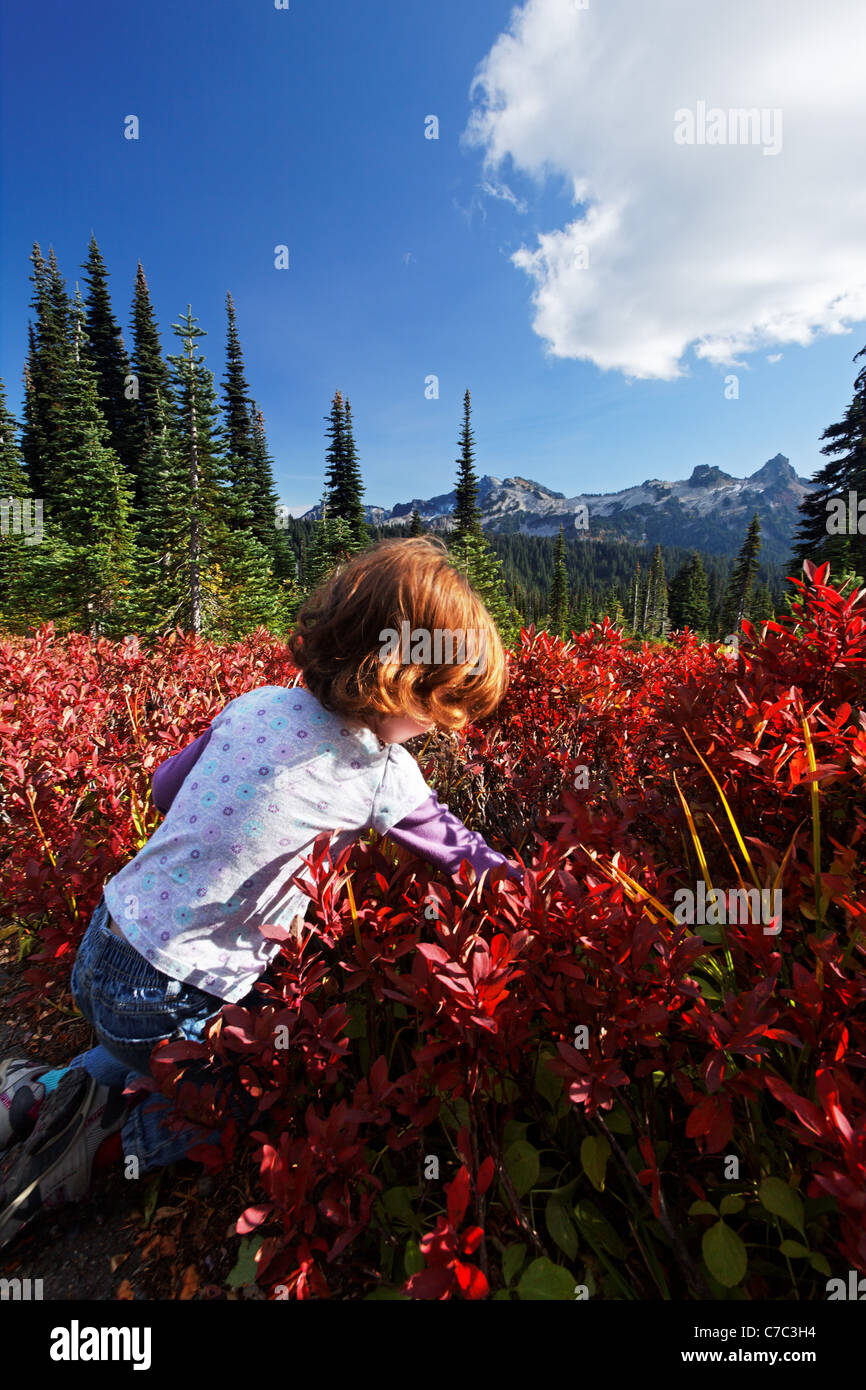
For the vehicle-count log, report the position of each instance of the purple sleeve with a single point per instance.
(169, 775)
(434, 833)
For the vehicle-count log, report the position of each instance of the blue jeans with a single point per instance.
(131, 1007)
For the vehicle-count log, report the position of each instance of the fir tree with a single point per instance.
(826, 531)
(194, 426)
(763, 607)
(689, 597)
(20, 517)
(416, 525)
(332, 545)
(471, 554)
(354, 486)
(108, 357)
(46, 374)
(467, 517)
(237, 437)
(93, 543)
(557, 600)
(469, 549)
(152, 398)
(635, 599)
(342, 474)
(655, 613)
(738, 597)
(265, 504)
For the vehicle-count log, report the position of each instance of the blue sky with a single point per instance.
(306, 127)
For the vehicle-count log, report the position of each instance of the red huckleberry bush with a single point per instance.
(566, 1087)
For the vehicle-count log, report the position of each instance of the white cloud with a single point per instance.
(715, 247)
(501, 190)
(774, 357)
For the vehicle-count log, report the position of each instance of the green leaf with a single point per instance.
(522, 1163)
(413, 1260)
(512, 1261)
(702, 1209)
(396, 1201)
(819, 1262)
(561, 1226)
(547, 1282)
(724, 1254)
(731, 1204)
(455, 1112)
(594, 1153)
(514, 1130)
(618, 1121)
(794, 1250)
(392, 1295)
(245, 1269)
(597, 1229)
(500, 1294)
(776, 1196)
(546, 1084)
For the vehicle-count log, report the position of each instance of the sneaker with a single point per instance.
(20, 1098)
(54, 1165)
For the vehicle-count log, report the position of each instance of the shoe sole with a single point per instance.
(61, 1119)
(5, 1068)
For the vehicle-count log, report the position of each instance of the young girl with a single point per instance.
(176, 933)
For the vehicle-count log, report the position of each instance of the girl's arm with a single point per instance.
(169, 775)
(434, 833)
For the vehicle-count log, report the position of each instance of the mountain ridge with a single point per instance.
(708, 511)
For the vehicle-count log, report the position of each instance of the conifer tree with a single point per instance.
(19, 518)
(354, 486)
(467, 516)
(557, 600)
(655, 614)
(737, 604)
(162, 561)
(194, 425)
(332, 544)
(468, 547)
(46, 374)
(228, 576)
(152, 383)
(265, 504)
(89, 518)
(416, 525)
(762, 607)
(635, 600)
(238, 434)
(688, 597)
(472, 555)
(342, 474)
(110, 362)
(827, 529)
